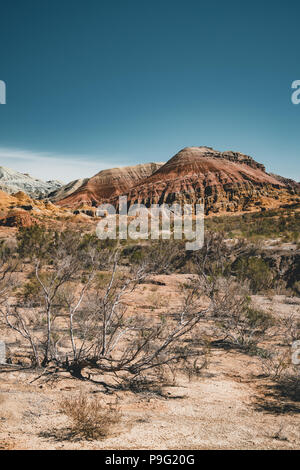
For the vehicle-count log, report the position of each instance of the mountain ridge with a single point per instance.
(226, 181)
(107, 184)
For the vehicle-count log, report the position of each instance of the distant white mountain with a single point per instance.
(12, 181)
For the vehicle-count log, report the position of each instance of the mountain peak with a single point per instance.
(227, 181)
(192, 155)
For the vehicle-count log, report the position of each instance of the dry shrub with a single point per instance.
(90, 418)
(2, 407)
(276, 364)
(279, 367)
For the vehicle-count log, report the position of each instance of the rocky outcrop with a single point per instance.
(226, 182)
(289, 183)
(107, 184)
(17, 218)
(25, 205)
(12, 181)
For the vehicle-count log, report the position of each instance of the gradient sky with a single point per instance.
(102, 83)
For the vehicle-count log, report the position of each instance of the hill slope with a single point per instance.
(67, 189)
(227, 182)
(12, 181)
(107, 184)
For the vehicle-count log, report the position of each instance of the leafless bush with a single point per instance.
(90, 418)
(40, 300)
(105, 336)
(286, 375)
(235, 320)
(234, 317)
(290, 326)
(275, 365)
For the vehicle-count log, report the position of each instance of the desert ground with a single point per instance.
(232, 405)
(230, 382)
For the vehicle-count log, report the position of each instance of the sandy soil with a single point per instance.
(220, 410)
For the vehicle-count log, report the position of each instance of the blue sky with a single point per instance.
(102, 83)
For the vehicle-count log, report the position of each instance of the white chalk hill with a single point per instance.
(12, 181)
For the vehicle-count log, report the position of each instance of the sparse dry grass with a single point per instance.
(90, 418)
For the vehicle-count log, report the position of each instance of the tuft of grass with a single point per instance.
(90, 418)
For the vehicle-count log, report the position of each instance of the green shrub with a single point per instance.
(257, 271)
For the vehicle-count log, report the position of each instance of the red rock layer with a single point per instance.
(227, 181)
(107, 184)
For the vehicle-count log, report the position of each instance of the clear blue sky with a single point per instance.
(99, 83)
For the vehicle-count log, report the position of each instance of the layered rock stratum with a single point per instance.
(224, 181)
(107, 184)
